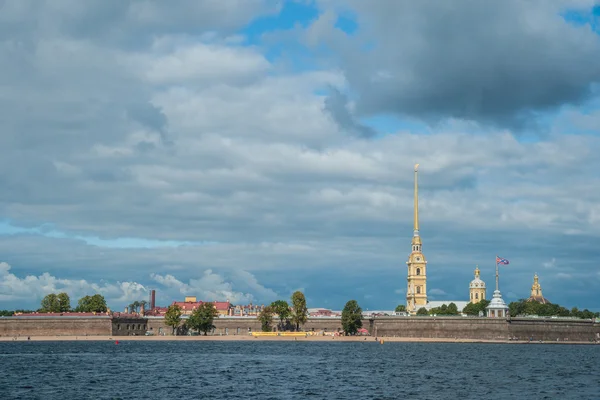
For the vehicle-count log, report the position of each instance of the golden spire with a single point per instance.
(416, 201)
(477, 271)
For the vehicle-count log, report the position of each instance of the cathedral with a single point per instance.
(476, 288)
(416, 293)
(536, 292)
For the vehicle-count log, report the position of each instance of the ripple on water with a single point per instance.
(276, 370)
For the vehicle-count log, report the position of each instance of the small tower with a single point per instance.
(536, 291)
(497, 307)
(416, 293)
(476, 288)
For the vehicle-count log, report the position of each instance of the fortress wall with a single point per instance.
(439, 327)
(129, 326)
(409, 327)
(553, 329)
(241, 326)
(41, 326)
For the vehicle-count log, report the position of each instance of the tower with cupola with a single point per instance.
(476, 288)
(416, 294)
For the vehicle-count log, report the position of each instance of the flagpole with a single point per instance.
(496, 272)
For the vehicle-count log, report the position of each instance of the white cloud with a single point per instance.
(14, 289)
(209, 287)
(212, 287)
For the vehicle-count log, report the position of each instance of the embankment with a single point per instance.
(409, 328)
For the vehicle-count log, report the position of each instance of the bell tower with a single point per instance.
(416, 293)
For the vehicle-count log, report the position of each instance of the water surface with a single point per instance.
(297, 370)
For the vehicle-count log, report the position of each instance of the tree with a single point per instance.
(422, 311)
(452, 309)
(351, 318)
(173, 317)
(282, 309)
(202, 318)
(300, 314)
(95, 303)
(64, 302)
(475, 308)
(266, 319)
(50, 304)
(400, 308)
(133, 307)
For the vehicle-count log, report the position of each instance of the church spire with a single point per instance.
(416, 231)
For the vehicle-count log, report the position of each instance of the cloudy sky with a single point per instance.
(244, 149)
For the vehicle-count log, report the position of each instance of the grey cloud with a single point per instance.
(496, 63)
(260, 168)
(336, 104)
(127, 24)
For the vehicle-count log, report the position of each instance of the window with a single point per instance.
(418, 289)
(418, 271)
(476, 296)
(471, 296)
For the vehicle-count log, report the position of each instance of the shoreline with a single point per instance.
(244, 338)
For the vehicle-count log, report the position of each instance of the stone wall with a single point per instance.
(551, 329)
(439, 327)
(129, 326)
(409, 327)
(485, 328)
(55, 326)
(242, 326)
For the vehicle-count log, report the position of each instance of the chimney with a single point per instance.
(126, 310)
(152, 299)
(142, 311)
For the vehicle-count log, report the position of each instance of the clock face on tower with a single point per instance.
(418, 258)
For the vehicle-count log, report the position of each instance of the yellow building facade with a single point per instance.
(416, 293)
(476, 288)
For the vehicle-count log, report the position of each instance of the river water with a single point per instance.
(297, 370)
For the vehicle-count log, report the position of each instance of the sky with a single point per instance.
(244, 149)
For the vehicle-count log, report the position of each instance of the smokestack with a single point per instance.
(142, 311)
(152, 299)
(126, 310)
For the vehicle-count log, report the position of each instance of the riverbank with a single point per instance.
(271, 339)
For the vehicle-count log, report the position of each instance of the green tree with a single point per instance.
(282, 309)
(475, 308)
(351, 318)
(452, 309)
(400, 308)
(300, 314)
(64, 302)
(133, 307)
(50, 304)
(95, 303)
(173, 317)
(266, 319)
(202, 318)
(422, 311)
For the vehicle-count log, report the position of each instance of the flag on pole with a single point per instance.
(500, 260)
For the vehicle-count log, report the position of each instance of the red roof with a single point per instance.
(192, 305)
(187, 305)
(221, 305)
